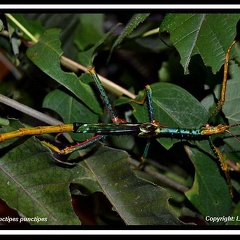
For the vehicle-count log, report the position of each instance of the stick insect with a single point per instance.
(148, 130)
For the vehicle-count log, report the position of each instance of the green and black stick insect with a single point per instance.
(148, 130)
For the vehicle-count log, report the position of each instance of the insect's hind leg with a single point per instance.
(224, 165)
(221, 101)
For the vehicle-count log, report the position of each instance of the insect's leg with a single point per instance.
(224, 83)
(142, 101)
(148, 97)
(145, 153)
(108, 104)
(144, 156)
(224, 166)
(75, 147)
(150, 103)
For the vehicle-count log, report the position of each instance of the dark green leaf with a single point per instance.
(43, 186)
(137, 201)
(133, 23)
(1, 26)
(209, 35)
(180, 109)
(173, 106)
(89, 31)
(46, 53)
(235, 218)
(231, 106)
(87, 57)
(33, 184)
(70, 109)
(210, 192)
(34, 27)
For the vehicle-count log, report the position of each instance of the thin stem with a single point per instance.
(108, 85)
(23, 29)
(151, 32)
(29, 111)
(162, 178)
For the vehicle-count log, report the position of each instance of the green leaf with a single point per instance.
(71, 110)
(46, 53)
(33, 184)
(235, 220)
(34, 27)
(173, 106)
(137, 201)
(210, 192)
(1, 26)
(36, 187)
(132, 24)
(209, 35)
(231, 107)
(89, 31)
(87, 57)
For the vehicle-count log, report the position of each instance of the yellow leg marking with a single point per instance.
(224, 82)
(64, 151)
(140, 102)
(51, 146)
(224, 167)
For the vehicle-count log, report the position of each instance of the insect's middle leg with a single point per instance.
(148, 98)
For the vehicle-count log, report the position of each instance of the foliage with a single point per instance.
(182, 56)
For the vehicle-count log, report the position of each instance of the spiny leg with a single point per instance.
(223, 164)
(148, 98)
(109, 106)
(224, 83)
(144, 156)
(112, 112)
(217, 109)
(75, 147)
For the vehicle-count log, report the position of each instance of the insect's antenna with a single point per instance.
(235, 136)
(234, 125)
(232, 134)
